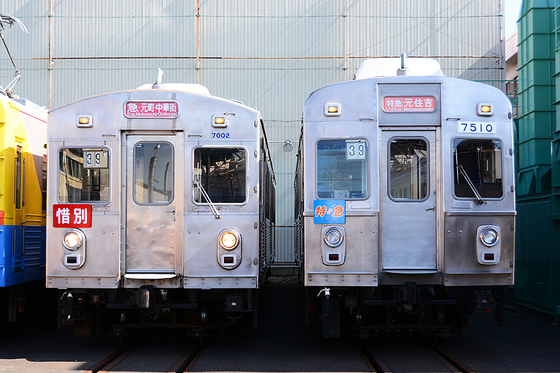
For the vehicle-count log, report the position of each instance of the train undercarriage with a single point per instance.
(120, 311)
(436, 310)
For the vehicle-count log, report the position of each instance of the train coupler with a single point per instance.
(484, 303)
(351, 303)
(234, 303)
(330, 314)
(234, 307)
(407, 293)
(72, 307)
(364, 333)
(143, 298)
(196, 332)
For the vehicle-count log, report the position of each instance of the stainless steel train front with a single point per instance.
(159, 206)
(402, 254)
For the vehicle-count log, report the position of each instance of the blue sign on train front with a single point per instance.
(329, 211)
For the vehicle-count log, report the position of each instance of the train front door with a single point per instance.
(154, 206)
(408, 201)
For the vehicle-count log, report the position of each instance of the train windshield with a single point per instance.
(342, 169)
(478, 168)
(222, 173)
(83, 175)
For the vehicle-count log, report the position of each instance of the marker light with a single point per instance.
(229, 259)
(334, 257)
(85, 121)
(489, 257)
(229, 239)
(219, 121)
(484, 110)
(332, 110)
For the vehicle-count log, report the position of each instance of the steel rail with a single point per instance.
(112, 360)
(374, 361)
(376, 364)
(183, 364)
(452, 360)
(187, 361)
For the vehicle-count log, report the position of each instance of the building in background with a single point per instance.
(537, 279)
(268, 54)
(511, 73)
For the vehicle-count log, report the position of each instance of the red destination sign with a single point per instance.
(72, 216)
(151, 109)
(409, 104)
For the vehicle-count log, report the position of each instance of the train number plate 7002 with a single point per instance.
(477, 127)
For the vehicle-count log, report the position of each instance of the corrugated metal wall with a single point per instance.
(267, 54)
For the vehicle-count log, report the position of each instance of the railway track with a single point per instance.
(151, 356)
(418, 359)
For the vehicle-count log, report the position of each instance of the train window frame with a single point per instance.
(428, 171)
(19, 176)
(454, 142)
(366, 193)
(173, 172)
(44, 181)
(194, 175)
(109, 175)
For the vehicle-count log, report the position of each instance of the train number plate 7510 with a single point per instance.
(477, 127)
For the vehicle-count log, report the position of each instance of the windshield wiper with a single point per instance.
(462, 171)
(207, 198)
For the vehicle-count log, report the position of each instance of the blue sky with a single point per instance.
(511, 13)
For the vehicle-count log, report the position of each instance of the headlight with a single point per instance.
(489, 237)
(73, 239)
(333, 237)
(229, 239)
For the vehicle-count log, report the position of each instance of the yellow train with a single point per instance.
(23, 174)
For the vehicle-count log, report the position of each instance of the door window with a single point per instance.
(408, 169)
(153, 172)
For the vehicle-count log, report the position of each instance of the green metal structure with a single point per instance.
(537, 274)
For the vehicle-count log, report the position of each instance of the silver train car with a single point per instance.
(405, 200)
(160, 209)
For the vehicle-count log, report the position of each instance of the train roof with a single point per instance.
(171, 88)
(360, 98)
(153, 107)
(159, 86)
(386, 67)
(25, 105)
(183, 87)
